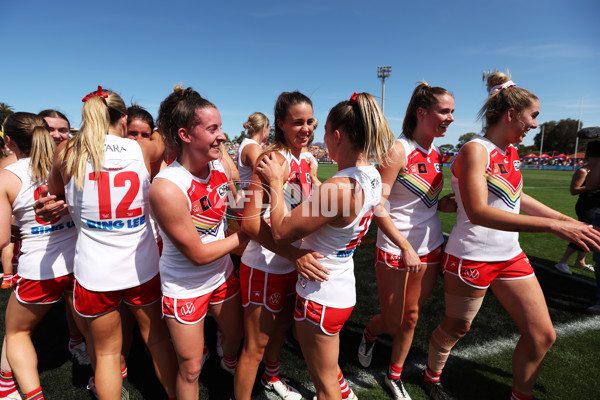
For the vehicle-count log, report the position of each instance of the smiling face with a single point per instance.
(59, 129)
(438, 117)
(524, 122)
(138, 129)
(206, 136)
(297, 126)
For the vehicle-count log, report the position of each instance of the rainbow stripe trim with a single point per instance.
(421, 188)
(504, 190)
(36, 394)
(205, 224)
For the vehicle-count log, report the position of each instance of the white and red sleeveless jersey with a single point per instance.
(295, 190)
(47, 249)
(207, 203)
(309, 157)
(413, 200)
(504, 184)
(245, 170)
(116, 248)
(337, 244)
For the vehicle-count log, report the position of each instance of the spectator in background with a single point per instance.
(593, 183)
(587, 203)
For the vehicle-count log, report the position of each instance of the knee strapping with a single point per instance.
(440, 345)
(463, 308)
(442, 341)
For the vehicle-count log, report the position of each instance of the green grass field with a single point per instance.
(479, 367)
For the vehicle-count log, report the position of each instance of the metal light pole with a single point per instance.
(383, 72)
(541, 148)
(577, 137)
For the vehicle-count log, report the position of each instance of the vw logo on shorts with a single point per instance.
(275, 298)
(470, 273)
(187, 309)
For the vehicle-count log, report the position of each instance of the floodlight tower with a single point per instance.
(383, 72)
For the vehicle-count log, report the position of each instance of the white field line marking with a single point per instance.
(368, 378)
(501, 345)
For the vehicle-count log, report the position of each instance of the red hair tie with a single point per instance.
(99, 93)
(353, 98)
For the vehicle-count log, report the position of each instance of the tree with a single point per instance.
(271, 137)
(558, 136)
(463, 139)
(5, 111)
(523, 150)
(446, 148)
(240, 138)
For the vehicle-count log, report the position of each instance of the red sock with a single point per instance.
(343, 385)
(369, 337)
(7, 383)
(519, 396)
(230, 362)
(271, 373)
(431, 376)
(75, 340)
(35, 394)
(394, 371)
(7, 281)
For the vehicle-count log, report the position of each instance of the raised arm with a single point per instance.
(308, 216)
(51, 203)
(305, 261)
(314, 167)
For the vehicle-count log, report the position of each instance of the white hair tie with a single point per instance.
(505, 85)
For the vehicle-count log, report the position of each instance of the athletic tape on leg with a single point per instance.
(463, 308)
(440, 345)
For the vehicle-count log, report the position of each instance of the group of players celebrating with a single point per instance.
(123, 227)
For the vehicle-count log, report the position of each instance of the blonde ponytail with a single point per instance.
(499, 101)
(31, 134)
(89, 142)
(362, 120)
(42, 151)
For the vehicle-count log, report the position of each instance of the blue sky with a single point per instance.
(241, 55)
